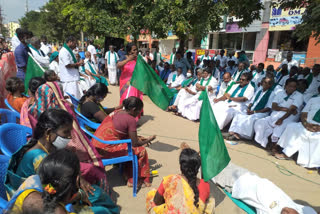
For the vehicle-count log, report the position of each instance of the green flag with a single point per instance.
(145, 79)
(214, 154)
(33, 70)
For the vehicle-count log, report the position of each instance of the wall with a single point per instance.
(166, 46)
(313, 53)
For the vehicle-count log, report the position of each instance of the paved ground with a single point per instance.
(303, 186)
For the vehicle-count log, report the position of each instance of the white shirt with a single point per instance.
(179, 79)
(312, 89)
(54, 65)
(15, 42)
(67, 74)
(249, 92)
(236, 75)
(93, 51)
(290, 64)
(223, 60)
(158, 58)
(87, 67)
(46, 48)
(113, 57)
(269, 103)
(202, 58)
(283, 80)
(170, 77)
(44, 61)
(223, 88)
(312, 107)
(233, 58)
(258, 77)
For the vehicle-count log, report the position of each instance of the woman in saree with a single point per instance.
(50, 96)
(34, 84)
(57, 184)
(15, 98)
(122, 125)
(182, 193)
(127, 66)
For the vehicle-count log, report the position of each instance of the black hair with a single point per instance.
(51, 119)
(269, 67)
(59, 169)
(34, 84)
(44, 37)
(132, 102)
(97, 89)
(316, 67)
(91, 42)
(303, 82)
(18, 30)
(271, 77)
(29, 33)
(13, 84)
(48, 74)
(129, 47)
(262, 64)
(21, 33)
(70, 39)
(190, 163)
(294, 68)
(291, 80)
(189, 54)
(247, 75)
(207, 70)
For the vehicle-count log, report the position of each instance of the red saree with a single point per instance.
(107, 131)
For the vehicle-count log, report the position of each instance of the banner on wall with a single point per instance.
(7, 69)
(300, 57)
(200, 52)
(272, 53)
(285, 19)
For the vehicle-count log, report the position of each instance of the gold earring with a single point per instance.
(48, 138)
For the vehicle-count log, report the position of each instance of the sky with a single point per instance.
(13, 10)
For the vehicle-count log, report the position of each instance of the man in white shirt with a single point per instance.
(93, 52)
(173, 55)
(224, 85)
(314, 85)
(157, 56)
(15, 40)
(223, 59)
(204, 57)
(173, 72)
(231, 57)
(111, 59)
(258, 75)
(37, 53)
(234, 101)
(289, 61)
(45, 47)
(292, 74)
(68, 67)
(177, 79)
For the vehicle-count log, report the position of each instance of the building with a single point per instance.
(12, 26)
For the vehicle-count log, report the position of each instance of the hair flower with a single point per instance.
(50, 189)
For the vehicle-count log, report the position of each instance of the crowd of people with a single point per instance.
(276, 108)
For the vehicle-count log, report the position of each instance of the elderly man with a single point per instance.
(45, 47)
(111, 59)
(68, 66)
(37, 53)
(93, 52)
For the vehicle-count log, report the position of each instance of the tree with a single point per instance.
(32, 22)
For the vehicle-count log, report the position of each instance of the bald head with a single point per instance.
(226, 77)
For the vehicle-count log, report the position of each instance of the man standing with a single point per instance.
(68, 66)
(289, 61)
(93, 52)
(111, 59)
(157, 56)
(15, 42)
(183, 63)
(223, 59)
(21, 54)
(37, 53)
(204, 57)
(45, 47)
(173, 55)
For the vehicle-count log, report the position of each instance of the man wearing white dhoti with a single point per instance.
(258, 192)
(177, 79)
(258, 75)
(303, 137)
(86, 80)
(234, 101)
(314, 85)
(285, 109)
(259, 107)
(204, 57)
(68, 67)
(241, 70)
(192, 106)
(111, 59)
(37, 53)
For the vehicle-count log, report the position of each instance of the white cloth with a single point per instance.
(223, 60)
(182, 96)
(177, 82)
(93, 52)
(242, 123)
(265, 196)
(46, 48)
(44, 61)
(266, 126)
(192, 106)
(67, 74)
(173, 56)
(112, 72)
(283, 80)
(225, 111)
(15, 42)
(236, 75)
(90, 81)
(171, 76)
(202, 58)
(290, 64)
(233, 58)
(54, 65)
(157, 57)
(312, 89)
(223, 88)
(113, 57)
(257, 77)
(72, 88)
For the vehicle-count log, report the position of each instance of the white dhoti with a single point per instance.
(112, 72)
(224, 113)
(296, 138)
(90, 81)
(266, 126)
(182, 96)
(72, 88)
(242, 124)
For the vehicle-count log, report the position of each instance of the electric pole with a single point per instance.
(27, 6)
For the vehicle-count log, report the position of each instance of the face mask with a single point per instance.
(189, 74)
(60, 142)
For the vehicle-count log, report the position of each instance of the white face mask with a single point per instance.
(61, 142)
(189, 74)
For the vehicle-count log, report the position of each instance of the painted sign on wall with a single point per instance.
(285, 19)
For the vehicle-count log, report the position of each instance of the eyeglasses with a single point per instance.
(242, 79)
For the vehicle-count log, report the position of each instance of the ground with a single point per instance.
(302, 185)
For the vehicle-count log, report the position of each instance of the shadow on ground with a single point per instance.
(162, 147)
(144, 119)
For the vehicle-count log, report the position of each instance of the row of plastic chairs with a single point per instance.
(85, 123)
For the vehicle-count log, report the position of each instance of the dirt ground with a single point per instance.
(303, 186)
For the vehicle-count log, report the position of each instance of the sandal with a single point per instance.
(281, 156)
(232, 138)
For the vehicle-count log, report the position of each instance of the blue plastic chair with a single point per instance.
(4, 162)
(10, 107)
(74, 100)
(8, 116)
(12, 137)
(130, 157)
(91, 124)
